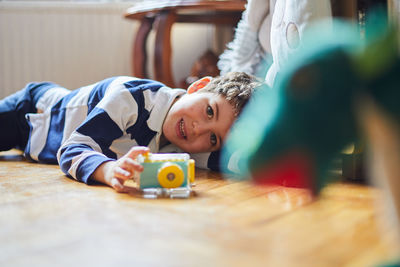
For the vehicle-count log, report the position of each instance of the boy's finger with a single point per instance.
(122, 173)
(137, 150)
(131, 165)
(117, 184)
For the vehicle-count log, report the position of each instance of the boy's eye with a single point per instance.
(210, 112)
(213, 139)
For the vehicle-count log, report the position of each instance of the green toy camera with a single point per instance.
(162, 170)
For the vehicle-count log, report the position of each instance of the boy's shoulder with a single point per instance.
(138, 83)
(142, 90)
(134, 84)
(130, 82)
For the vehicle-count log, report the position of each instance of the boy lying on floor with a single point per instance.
(96, 132)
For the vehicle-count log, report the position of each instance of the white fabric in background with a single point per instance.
(271, 30)
(251, 46)
(300, 14)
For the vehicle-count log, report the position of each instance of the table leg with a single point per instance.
(139, 53)
(162, 53)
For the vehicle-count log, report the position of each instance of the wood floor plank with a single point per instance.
(48, 219)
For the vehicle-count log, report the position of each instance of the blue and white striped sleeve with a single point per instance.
(110, 110)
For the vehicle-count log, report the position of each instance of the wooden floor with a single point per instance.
(50, 220)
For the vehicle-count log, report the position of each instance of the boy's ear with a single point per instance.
(197, 85)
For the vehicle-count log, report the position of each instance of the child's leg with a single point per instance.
(10, 135)
(14, 127)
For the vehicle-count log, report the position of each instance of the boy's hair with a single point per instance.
(236, 87)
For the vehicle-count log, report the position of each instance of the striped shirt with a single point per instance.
(84, 128)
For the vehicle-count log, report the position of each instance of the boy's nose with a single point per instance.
(199, 128)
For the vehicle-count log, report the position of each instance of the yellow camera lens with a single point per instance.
(170, 175)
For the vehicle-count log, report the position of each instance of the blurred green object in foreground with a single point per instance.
(289, 134)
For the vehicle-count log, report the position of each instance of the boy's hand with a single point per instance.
(115, 173)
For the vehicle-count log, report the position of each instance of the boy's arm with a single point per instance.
(88, 147)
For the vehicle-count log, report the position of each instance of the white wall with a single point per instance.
(76, 44)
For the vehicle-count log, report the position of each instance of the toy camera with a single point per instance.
(166, 170)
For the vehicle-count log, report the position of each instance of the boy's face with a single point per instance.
(198, 122)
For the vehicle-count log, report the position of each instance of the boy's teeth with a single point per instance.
(181, 128)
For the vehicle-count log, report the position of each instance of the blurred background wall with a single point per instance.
(77, 43)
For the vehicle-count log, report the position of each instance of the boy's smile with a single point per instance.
(180, 129)
(198, 122)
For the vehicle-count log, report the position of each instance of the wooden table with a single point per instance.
(48, 219)
(161, 16)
